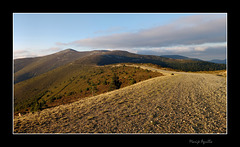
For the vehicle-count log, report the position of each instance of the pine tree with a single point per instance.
(115, 83)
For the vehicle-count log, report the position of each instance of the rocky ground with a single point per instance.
(179, 103)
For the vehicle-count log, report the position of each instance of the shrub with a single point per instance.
(52, 99)
(105, 82)
(71, 93)
(132, 81)
(35, 107)
(43, 103)
(115, 83)
(58, 97)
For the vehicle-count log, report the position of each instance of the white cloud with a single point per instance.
(19, 52)
(200, 48)
(177, 49)
(205, 51)
(185, 48)
(197, 29)
(24, 54)
(190, 35)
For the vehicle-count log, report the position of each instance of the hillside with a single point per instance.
(72, 82)
(69, 75)
(30, 67)
(179, 57)
(180, 103)
(218, 61)
(126, 57)
(27, 68)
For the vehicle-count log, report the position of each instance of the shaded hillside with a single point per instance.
(126, 57)
(224, 61)
(180, 57)
(30, 67)
(22, 63)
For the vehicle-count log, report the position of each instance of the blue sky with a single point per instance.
(194, 35)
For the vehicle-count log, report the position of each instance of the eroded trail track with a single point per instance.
(179, 103)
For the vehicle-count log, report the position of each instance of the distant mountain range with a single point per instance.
(27, 68)
(180, 57)
(219, 61)
(68, 75)
(186, 58)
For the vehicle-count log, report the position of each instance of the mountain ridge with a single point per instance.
(224, 61)
(26, 68)
(69, 76)
(180, 57)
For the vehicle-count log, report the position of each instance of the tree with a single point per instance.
(115, 83)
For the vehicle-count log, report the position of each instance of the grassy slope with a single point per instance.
(81, 78)
(182, 103)
(71, 82)
(31, 67)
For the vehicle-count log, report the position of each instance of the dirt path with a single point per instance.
(179, 103)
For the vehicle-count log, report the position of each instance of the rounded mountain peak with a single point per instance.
(69, 50)
(66, 51)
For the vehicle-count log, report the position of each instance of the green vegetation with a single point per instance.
(69, 75)
(132, 81)
(190, 65)
(38, 105)
(27, 68)
(59, 86)
(178, 64)
(115, 83)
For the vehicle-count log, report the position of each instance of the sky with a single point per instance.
(195, 35)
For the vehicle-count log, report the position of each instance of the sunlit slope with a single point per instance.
(71, 82)
(30, 67)
(179, 103)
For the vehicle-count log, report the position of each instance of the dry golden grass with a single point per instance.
(216, 72)
(179, 103)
